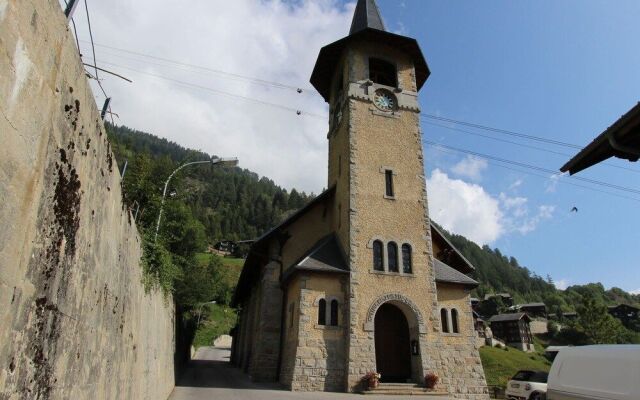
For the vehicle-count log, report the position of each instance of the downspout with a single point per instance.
(283, 312)
(621, 147)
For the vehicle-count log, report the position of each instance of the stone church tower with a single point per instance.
(359, 280)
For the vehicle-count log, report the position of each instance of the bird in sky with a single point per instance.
(574, 209)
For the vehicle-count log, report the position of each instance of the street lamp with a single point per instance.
(200, 311)
(224, 161)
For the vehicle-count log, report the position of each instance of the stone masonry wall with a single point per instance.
(75, 320)
(320, 354)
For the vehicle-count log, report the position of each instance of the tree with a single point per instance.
(597, 325)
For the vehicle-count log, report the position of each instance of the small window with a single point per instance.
(377, 256)
(454, 321)
(406, 258)
(392, 253)
(334, 312)
(445, 320)
(383, 72)
(388, 179)
(322, 312)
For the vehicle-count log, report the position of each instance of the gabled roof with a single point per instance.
(446, 274)
(627, 306)
(327, 194)
(468, 267)
(367, 15)
(326, 255)
(509, 317)
(622, 139)
(258, 251)
(532, 305)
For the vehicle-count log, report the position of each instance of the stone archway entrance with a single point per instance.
(392, 342)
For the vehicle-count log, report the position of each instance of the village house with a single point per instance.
(513, 329)
(359, 280)
(627, 314)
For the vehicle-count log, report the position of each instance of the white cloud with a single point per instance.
(552, 183)
(274, 40)
(464, 208)
(468, 209)
(516, 184)
(470, 167)
(561, 284)
(637, 291)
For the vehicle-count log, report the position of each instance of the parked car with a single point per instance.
(527, 385)
(610, 372)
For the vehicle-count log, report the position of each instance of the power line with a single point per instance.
(522, 144)
(534, 167)
(259, 81)
(220, 92)
(546, 177)
(504, 131)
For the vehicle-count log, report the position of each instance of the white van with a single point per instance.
(602, 372)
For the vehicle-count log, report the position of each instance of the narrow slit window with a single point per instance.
(334, 312)
(377, 256)
(454, 320)
(388, 180)
(392, 254)
(406, 258)
(322, 312)
(445, 320)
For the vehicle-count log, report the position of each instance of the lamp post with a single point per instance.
(232, 162)
(200, 311)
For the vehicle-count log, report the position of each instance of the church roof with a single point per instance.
(463, 264)
(325, 256)
(446, 274)
(367, 15)
(367, 25)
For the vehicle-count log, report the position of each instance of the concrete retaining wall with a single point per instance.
(75, 321)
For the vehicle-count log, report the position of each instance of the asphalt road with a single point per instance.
(210, 376)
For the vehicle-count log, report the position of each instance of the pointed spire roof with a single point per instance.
(367, 25)
(367, 15)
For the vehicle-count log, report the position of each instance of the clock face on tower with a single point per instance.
(384, 100)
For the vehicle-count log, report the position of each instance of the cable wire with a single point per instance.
(546, 177)
(534, 167)
(522, 145)
(221, 92)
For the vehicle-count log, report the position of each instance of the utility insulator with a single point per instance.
(105, 107)
(71, 6)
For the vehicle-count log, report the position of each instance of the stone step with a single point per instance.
(404, 389)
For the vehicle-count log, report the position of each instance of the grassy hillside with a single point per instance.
(501, 364)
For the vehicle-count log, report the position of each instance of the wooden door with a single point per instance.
(393, 352)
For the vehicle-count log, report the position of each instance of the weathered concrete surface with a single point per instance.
(211, 376)
(75, 321)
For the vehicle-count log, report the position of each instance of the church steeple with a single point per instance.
(367, 15)
(367, 27)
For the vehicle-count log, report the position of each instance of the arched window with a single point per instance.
(406, 258)
(322, 312)
(383, 72)
(454, 320)
(334, 313)
(377, 256)
(392, 254)
(444, 318)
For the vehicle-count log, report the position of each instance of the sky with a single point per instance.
(208, 74)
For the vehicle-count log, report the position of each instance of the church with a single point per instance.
(360, 280)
